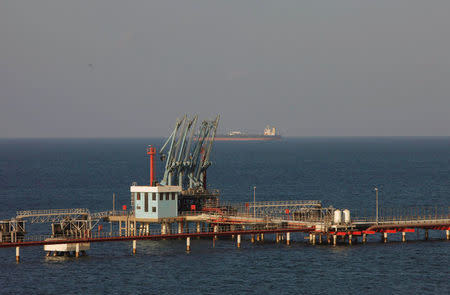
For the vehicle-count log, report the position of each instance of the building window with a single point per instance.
(146, 203)
(153, 209)
(154, 196)
(138, 196)
(161, 196)
(167, 196)
(173, 196)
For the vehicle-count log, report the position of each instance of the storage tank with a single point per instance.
(347, 219)
(337, 216)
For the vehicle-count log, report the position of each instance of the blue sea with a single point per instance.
(341, 172)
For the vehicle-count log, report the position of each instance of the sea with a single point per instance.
(409, 172)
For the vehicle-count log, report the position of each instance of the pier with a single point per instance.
(181, 206)
(319, 226)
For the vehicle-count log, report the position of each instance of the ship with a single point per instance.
(270, 133)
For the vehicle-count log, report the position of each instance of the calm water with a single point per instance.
(339, 171)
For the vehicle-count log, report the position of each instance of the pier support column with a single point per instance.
(313, 239)
(426, 234)
(239, 241)
(216, 229)
(350, 239)
(188, 244)
(17, 254)
(199, 227)
(262, 237)
(320, 238)
(277, 237)
(77, 250)
(253, 238)
(447, 232)
(180, 227)
(288, 238)
(364, 238)
(134, 246)
(257, 237)
(334, 240)
(385, 237)
(403, 236)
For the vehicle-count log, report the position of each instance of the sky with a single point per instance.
(113, 68)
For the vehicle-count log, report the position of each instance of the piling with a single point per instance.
(77, 250)
(17, 254)
(385, 237)
(320, 238)
(134, 246)
(239, 241)
(426, 234)
(403, 236)
(447, 232)
(288, 238)
(262, 237)
(253, 238)
(313, 239)
(350, 238)
(334, 240)
(364, 238)
(188, 244)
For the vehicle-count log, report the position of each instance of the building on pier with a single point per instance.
(155, 201)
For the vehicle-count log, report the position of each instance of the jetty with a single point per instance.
(182, 206)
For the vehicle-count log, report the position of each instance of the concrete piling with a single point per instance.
(447, 232)
(253, 238)
(426, 234)
(403, 236)
(188, 244)
(262, 237)
(313, 239)
(77, 250)
(17, 254)
(288, 238)
(385, 237)
(334, 240)
(239, 241)
(350, 239)
(364, 240)
(134, 246)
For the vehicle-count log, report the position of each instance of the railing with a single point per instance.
(48, 212)
(402, 215)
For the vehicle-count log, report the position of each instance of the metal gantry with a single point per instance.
(187, 153)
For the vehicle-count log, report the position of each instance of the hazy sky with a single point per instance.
(114, 68)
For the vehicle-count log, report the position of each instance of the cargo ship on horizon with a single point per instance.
(270, 133)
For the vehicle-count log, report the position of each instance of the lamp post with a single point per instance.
(254, 201)
(376, 202)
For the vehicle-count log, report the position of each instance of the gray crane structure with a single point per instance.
(187, 154)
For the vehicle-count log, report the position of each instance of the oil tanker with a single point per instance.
(270, 133)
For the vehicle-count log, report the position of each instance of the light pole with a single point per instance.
(376, 202)
(254, 201)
